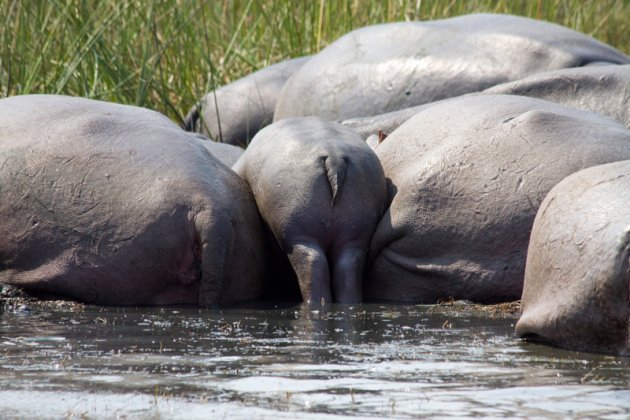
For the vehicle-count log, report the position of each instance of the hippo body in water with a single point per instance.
(577, 280)
(235, 112)
(464, 193)
(321, 190)
(387, 67)
(116, 205)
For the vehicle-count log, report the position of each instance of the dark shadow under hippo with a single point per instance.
(577, 280)
(235, 112)
(321, 190)
(116, 205)
(383, 68)
(467, 176)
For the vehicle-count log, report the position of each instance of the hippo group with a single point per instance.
(484, 158)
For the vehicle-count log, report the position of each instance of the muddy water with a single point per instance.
(63, 360)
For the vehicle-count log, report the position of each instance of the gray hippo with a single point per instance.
(235, 112)
(321, 190)
(602, 89)
(116, 205)
(383, 68)
(228, 154)
(467, 176)
(577, 279)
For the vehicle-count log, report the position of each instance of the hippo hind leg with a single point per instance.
(347, 272)
(311, 267)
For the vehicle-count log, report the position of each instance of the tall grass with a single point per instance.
(165, 54)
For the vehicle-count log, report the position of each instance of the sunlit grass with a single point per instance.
(164, 55)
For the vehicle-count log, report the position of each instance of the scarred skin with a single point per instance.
(321, 191)
(464, 193)
(116, 205)
(235, 112)
(383, 68)
(577, 279)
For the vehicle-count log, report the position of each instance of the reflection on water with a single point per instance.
(61, 360)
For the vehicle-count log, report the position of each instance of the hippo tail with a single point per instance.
(191, 119)
(335, 169)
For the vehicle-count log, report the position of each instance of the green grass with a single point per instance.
(164, 55)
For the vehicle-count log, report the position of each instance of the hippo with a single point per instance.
(321, 190)
(228, 154)
(466, 177)
(577, 277)
(602, 89)
(234, 113)
(117, 205)
(387, 67)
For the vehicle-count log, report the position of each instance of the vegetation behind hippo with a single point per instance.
(166, 55)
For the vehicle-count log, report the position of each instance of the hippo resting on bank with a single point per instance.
(577, 280)
(242, 107)
(602, 89)
(467, 177)
(383, 68)
(321, 190)
(116, 205)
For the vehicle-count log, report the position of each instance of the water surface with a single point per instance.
(400, 361)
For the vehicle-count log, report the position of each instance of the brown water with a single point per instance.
(62, 360)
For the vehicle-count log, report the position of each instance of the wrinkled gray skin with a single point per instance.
(228, 154)
(577, 280)
(602, 89)
(244, 106)
(321, 191)
(465, 193)
(383, 68)
(116, 205)
(367, 127)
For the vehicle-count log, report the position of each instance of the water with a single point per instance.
(66, 360)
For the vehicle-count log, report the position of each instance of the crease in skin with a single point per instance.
(440, 269)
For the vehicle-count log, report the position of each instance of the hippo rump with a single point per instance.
(321, 190)
(577, 279)
(466, 177)
(383, 68)
(116, 205)
(234, 113)
(602, 89)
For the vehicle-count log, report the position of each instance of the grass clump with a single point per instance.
(166, 54)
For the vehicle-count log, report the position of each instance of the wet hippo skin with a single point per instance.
(577, 279)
